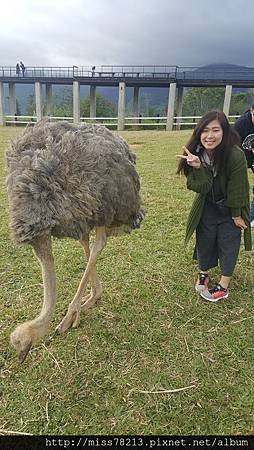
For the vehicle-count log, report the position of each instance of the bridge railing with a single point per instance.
(40, 72)
(84, 71)
(195, 73)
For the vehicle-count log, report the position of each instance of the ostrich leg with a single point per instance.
(72, 317)
(26, 334)
(96, 289)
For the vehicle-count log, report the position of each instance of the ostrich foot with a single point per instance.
(71, 319)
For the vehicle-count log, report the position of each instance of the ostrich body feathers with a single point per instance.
(64, 180)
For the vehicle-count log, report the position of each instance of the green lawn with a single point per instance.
(150, 332)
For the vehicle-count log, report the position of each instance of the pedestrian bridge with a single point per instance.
(149, 76)
(175, 78)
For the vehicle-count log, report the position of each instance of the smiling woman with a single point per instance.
(216, 170)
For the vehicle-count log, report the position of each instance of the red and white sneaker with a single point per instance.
(202, 282)
(215, 294)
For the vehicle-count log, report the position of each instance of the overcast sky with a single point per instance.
(96, 32)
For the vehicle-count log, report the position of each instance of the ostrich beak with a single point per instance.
(23, 354)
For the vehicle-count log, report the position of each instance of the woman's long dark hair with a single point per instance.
(230, 138)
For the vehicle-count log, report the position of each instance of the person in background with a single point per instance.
(216, 170)
(22, 68)
(17, 69)
(245, 127)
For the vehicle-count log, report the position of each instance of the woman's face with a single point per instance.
(211, 135)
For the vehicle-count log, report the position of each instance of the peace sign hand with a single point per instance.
(192, 160)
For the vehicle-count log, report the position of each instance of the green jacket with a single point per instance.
(234, 185)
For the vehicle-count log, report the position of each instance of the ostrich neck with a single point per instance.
(43, 252)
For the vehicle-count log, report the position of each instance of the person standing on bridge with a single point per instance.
(22, 68)
(245, 127)
(216, 170)
(17, 69)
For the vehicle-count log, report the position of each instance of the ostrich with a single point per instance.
(64, 181)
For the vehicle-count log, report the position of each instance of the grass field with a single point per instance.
(150, 333)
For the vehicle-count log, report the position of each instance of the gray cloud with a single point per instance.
(67, 32)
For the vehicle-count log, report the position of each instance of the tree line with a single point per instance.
(62, 106)
(196, 102)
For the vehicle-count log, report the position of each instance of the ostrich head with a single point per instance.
(24, 336)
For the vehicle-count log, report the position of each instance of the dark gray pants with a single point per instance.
(217, 240)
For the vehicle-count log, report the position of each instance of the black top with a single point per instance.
(215, 194)
(244, 126)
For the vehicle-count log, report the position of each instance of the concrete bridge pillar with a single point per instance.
(251, 91)
(136, 105)
(2, 118)
(12, 99)
(121, 106)
(38, 100)
(227, 99)
(76, 102)
(179, 107)
(171, 106)
(92, 101)
(48, 99)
